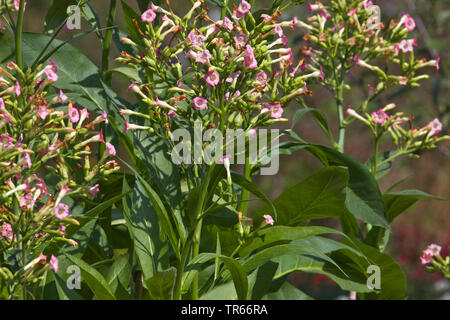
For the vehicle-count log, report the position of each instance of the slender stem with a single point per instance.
(107, 41)
(224, 8)
(243, 205)
(375, 160)
(195, 252)
(340, 111)
(194, 233)
(19, 35)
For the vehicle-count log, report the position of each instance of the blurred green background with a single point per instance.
(426, 222)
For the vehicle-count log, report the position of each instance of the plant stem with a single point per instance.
(243, 205)
(19, 35)
(194, 233)
(375, 160)
(340, 111)
(107, 41)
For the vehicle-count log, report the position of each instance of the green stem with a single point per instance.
(224, 8)
(107, 41)
(19, 35)
(340, 111)
(375, 160)
(194, 233)
(243, 205)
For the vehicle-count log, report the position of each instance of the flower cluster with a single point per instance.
(234, 73)
(431, 256)
(45, 158)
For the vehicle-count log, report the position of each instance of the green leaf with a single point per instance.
(129, 14)
(56, 14)
(234, 267)
(318, 117)
(120, 271)
(276, 234)
(65, 293)
(93, 278)
(321, 195)
(384, 168)
(398, 202)
(287, 292)
(160, 286)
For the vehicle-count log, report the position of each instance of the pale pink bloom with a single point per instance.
(406, 45)
(227, 24)
(7, 231)
(27, 201)
(244, 8)
(426, 257)
(26, 161)
(42, 112)
(403, 81)
(61, 211)
(409, 23)
(261, 78)
(434, 249)
(266, 17)
(53, 64)
(62, 229)
(436, 127)
(171, 114)
(437, 63)
(54, 263)
(17, 5)
(127, 126)
(51, 75)
(94, 191)
(203, 57)
(235, 95)
(74, 114)
(61, 96)
(351, 12)
(212, 78)
(148, 16)
(278, 30)
(200, 103)
(105, 117)
(380, 116)
(268, 219)
(249, 58)
(196, 39)
(294, 23)
(240, 40)
(321, 74)
(17, 89)
(110, 149)
(233, 77)
(5, 140)
(276, 111)
(284, 41)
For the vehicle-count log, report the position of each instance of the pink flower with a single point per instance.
(434, 249)
(436, 127)
(278, 30)
(203, 57)
(54, 263)
(62, 229)
(94, 191)
(276, 111)
(105, 117)
(148, 16)
(51, 75)
(406, 45)
(268, 219)
(42, 112)
(380, 116)
(426, 257)
(323, 36)
(212, 78)
(235, 95)
(321, 74)
(437, 63)
(244, 8)
(61, 96)
(61, 211)
(171, 114)
(27, 201)
(26, 161)
(7, 231)
(17, 5)
(74, 114)
(249, 58)
(5, 140)
(227, 24)
(127, 126)
(196, 40)
(17, 89)
(261, 78)
(110, 149)
(351, 12)
(233, 77)
(409, 23)
(200, 103)
(403, 81)
(240, 40)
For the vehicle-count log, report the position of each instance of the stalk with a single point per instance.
(107, 41)
(19, 35)
(195, 233)
(340, 111)
(243, 205)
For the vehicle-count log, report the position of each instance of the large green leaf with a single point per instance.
(321, 195)
(160, 286)
(398, 202)
(287, 292)
(93, 279)
(120, 272)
